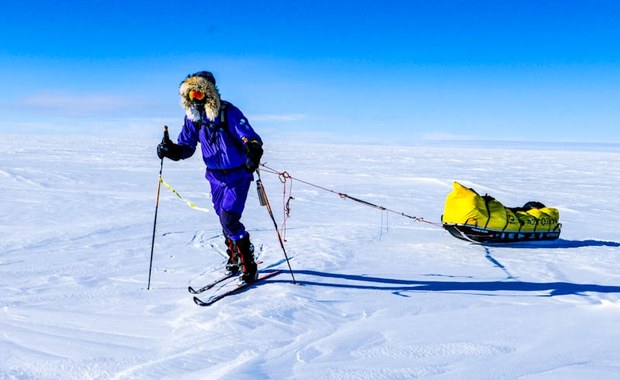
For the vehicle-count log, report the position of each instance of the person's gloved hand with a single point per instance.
(254, 152)
(168, 149)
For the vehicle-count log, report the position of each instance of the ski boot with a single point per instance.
(245, 251)
(233, 263)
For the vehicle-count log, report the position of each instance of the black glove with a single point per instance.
(168, 149)
(254, 152)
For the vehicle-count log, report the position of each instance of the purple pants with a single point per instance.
(229, 191)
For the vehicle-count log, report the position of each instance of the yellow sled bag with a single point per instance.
(484, 219)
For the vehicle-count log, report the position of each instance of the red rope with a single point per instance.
(286, 208)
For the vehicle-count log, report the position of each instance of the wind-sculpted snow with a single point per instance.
(378, 297)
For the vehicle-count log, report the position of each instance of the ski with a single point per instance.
(234, 290)
(210, 285)
(193, 290)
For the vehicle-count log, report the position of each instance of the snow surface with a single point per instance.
(381, 296)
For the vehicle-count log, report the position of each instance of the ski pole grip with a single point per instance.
(166, 135)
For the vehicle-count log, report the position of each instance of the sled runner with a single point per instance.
(483, 235)
(483, 219)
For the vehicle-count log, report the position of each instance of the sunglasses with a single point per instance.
(196, 95)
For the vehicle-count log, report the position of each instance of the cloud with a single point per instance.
(278, 118)
(475, 136)
(150, 127)
(78, 104)
(446, 136)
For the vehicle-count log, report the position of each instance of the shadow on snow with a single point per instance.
(398, 285)
(559, 243)
(511, 283)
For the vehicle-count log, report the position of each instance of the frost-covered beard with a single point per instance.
(193, 114)
(212, 96)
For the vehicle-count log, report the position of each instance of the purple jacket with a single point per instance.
(223, 149)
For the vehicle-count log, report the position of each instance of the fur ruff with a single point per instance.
(213, 101)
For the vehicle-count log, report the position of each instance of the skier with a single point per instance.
(231, 150)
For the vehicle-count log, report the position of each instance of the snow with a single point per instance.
(380, 296)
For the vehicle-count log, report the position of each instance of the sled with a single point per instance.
(483, 219)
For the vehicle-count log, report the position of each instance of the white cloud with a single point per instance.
(78, 104)
(474, 136)
(445, 136)
(278, 118)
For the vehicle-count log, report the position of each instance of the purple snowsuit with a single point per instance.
(224, 154)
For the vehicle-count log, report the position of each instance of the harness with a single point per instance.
(212, 128)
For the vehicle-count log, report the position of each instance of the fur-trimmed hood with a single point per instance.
(205, 83)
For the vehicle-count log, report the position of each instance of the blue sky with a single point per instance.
(378, 71)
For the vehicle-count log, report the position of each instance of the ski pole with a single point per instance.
(161, 168)
(264, 201)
